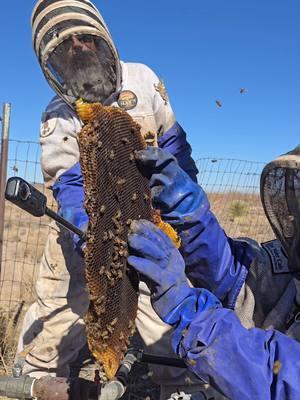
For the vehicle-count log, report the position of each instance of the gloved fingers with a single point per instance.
(147, 229)
(160, 201)
(153, 160)
(146, 248)
(146, 161)
(146, 268)
(148, 156)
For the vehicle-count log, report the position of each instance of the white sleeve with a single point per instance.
(58, 139)
(162, 109)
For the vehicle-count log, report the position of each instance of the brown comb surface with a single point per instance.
(116, 193)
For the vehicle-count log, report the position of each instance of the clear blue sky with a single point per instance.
(204, 51)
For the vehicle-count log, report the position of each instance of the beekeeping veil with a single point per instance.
(280, 194)
(75, 50)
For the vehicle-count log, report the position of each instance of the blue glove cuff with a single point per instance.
(172, 191)
(197, 300)
(174, 141)
(213, 260)
(69, 193)
(179, 199)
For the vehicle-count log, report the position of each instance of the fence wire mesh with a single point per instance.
(233, 190)
(232, 187)
(24, 235)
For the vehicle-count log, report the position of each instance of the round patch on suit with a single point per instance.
(127, 100)
(49, 121)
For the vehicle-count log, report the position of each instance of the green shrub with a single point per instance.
(238, 208)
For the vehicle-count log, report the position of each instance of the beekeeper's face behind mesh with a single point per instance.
(83, 66)
(280, 193)
(75, 50)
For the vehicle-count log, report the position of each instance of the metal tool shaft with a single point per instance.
(65, 223)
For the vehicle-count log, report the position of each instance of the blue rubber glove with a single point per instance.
(240, 363)
(69, 193)
(212, 260)
(155, 257)
(243, 364)
(174, 141)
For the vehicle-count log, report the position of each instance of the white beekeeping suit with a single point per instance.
(79, 60)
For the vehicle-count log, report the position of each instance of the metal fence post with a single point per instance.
(3, 170)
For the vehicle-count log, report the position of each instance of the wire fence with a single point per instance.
(24, 235)
(232, 187)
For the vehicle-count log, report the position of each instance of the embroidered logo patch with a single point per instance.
(161, 89)
(48, 124)
(127, 100)
(278, 258)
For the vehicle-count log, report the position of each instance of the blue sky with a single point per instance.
(204, 50)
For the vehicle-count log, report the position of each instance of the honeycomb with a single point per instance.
(115, 194)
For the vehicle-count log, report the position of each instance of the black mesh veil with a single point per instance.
(72, 70)
(280, 194)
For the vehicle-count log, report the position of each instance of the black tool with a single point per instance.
(27, 197)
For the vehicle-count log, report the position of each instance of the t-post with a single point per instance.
(3, 170)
